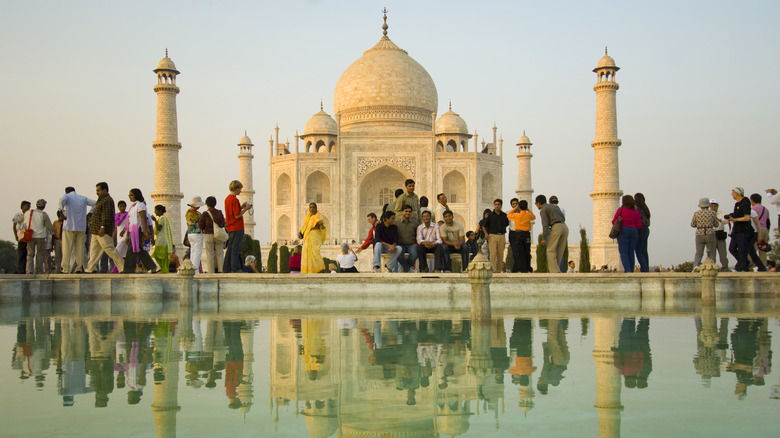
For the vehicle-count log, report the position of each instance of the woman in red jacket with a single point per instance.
(629, 232)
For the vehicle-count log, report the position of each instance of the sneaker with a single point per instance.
(414, 271)
(376, 270)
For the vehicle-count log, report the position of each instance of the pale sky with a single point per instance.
(698, 92)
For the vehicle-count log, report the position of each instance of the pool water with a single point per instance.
(414, 375)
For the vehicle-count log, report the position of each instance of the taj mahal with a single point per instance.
(384, 130)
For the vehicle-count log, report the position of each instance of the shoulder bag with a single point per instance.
(220, 234)
(25, 234)
(617, 226)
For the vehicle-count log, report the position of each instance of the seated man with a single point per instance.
(386, 240)
(407, 239)
(453, 236)
(429, 241)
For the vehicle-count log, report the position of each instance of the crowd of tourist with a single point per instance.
(407, 237)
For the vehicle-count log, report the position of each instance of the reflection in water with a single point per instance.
(350, 377)
(632, 355)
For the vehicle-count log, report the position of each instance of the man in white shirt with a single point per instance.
(74, 207)
(21, 247)
(441, 207)
(429, 240)
(773, 196)
(720, 236)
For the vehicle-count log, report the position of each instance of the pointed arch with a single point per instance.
(318, 188)
(454, 187)
(283, 189)
(283, 228)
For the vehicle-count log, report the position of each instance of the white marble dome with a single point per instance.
(383, 85)
(166, 64)
(451, 123)
(321, 123)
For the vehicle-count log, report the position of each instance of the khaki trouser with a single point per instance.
(212, 251)
(100, 245)
(496, 243)
(556, 246)
(36, 248)
(73, 250)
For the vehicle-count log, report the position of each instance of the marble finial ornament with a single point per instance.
(384, 25)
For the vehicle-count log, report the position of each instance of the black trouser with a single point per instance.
(520, 242)
(21, 249)
(738, 247)
(131, 257)
(753, 254)
(438, 257)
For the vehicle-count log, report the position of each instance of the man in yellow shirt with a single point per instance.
(520, 235)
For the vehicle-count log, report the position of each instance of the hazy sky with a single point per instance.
(698, 92)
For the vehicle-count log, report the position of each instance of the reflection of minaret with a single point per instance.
(166, 384)
(607, 377)
(246, 388)
(524, 190)
(606, 178)
(245, 176)
(707, 361)
(167, 189)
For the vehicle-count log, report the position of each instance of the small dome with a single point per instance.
(524, 139)
(451, 123)
(606, 61)
(245, 141)
(453, 425)
(321, 123)
(166, 64)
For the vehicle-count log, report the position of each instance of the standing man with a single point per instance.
(720, 236)
(74, 210)
(554, 221)
(407, 239)
(371, 218)
(194, 233)
(101, 227)
(520, 238)
(441, 207)
(453, 236)
(496, 229)
(40, 224)
(411, 199)
(763, 221)
(554, 201)
(429, 241)
(705, 221)
(386, 240)
(741, 232)
(21, 247)
(773, 197)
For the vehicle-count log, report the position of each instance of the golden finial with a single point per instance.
(605, 50)
(166, 52)
(450, 104)
(321, 105)
(384, 26)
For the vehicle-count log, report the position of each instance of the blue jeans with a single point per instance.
(464, 254)
(627, 240)
(641, 250)
(412, 251)
(392, 265)
(232, 261)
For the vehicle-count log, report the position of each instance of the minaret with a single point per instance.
(245, 176)
(167, 189)
(524, 190)
(606, 179)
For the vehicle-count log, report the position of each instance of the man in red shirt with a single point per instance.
(234, 225)
(370, 239)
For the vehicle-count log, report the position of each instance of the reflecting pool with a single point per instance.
(417, 375)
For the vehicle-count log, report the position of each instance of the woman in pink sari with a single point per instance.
(313, 234)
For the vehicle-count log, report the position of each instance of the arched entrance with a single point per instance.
(374, 188)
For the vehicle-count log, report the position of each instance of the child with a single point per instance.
(163, 239)
(295, 260)
(471, 244)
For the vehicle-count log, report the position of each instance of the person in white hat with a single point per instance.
(194, 233)
(720, 236)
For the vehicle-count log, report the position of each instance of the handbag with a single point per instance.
(220, 234)
(617, 226)
(764, 246)
(25, 234)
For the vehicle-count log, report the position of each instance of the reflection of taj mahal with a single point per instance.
(385, 131)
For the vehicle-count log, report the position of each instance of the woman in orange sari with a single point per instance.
(313, 234)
